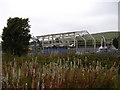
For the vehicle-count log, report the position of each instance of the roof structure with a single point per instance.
(66, 39)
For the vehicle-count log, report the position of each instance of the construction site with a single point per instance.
(78, 42)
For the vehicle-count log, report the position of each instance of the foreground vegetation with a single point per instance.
(63, 71)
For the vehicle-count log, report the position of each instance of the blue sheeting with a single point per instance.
(55, 50)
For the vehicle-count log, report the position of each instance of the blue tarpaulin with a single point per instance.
(55, 50)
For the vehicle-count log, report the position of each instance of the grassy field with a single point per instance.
(65, 71)
(107, 35)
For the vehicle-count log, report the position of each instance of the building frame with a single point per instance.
(69, 39)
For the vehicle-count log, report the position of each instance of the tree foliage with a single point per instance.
(115, 42)
(16, 36)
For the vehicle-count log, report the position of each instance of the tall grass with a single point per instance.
(60, 72)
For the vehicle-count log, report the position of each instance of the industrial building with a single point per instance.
(78, 42)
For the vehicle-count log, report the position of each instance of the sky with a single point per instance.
(59, 16)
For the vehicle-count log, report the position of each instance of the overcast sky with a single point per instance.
(57, 16)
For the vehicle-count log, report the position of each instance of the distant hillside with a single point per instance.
(107, 35)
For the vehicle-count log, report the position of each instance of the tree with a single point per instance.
(115, 42)
(16, 36)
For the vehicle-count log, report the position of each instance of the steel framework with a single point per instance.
(69, 39)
